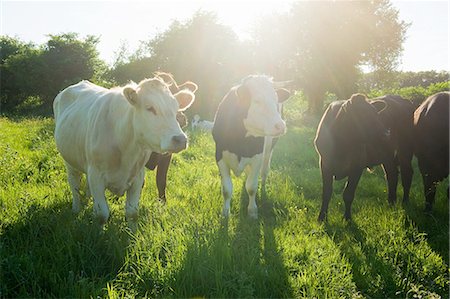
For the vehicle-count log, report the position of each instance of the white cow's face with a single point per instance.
(155, 122)
(264, 102)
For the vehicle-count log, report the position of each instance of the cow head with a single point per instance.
(259, 96)
(360, 132)
(175, 88)
(155, 114)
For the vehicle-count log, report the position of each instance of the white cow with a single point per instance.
(247, 122)
(109, 134)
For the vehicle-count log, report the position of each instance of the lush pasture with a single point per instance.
(186, 249)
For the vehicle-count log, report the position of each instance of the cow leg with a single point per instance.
(251, 185)
(429, 186)
(161, 176)
(132, 202)
(391, 172)
(327, 188)
(88, 191)
(227, 186)
(97, 187)
(406, 171)
(267, 155)
(349, 192)
(74, 178)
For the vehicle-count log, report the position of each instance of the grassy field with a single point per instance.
(186, 249)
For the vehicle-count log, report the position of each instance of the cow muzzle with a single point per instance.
(178, 143)
(279, 128)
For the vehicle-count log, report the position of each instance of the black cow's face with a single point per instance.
(360, 132)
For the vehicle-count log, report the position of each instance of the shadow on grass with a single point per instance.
(240, 263)
(50, 252)
(371, 273)
(383, 271)
(436, 224)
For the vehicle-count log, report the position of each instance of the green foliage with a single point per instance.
(401, 79)
(186, 249)
(30, 71)
(416, 94)
(322, 44)
(200, 50)
(318, 44)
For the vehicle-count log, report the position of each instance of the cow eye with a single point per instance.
(152, 110)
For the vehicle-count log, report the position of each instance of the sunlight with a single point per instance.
(241, 15)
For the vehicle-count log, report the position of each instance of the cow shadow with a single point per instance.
(435, 224)
(49, 252)
(370, 272)
(373, 271)
(239, 259)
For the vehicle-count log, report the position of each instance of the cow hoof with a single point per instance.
(428, 210)
(101, 220)
(253, 214)
(322, 217)
(133, 226)
(76, 209)
(225, 213)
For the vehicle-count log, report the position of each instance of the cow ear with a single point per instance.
(131, 95)
(283, 95)
(185, 99)
(379, 105)
(189, 85)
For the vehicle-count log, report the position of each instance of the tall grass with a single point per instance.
(186, 249)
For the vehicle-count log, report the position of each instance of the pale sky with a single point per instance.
(426, 46)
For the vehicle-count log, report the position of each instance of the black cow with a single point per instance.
(431, 124)
(162, 161)
(358, 133)
(247, 120)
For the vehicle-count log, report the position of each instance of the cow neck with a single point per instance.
(126, 130)
(231, 134)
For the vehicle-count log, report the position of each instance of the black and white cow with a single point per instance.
(247, 120)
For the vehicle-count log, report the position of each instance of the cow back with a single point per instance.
(431, 121)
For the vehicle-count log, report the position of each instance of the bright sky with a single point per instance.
(426, 47)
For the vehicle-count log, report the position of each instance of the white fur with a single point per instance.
(109, 135)
(252, 167)
(263, 117)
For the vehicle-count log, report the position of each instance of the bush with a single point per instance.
(416, 94)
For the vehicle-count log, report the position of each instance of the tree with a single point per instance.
(201, 50)
(69, 59)
(44, 71)
(424, 79)
(369, 81)
(9, 87)
(324, 43)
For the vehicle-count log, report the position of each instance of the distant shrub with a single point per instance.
(416, 94)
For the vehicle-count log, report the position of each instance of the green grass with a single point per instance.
(186, 249)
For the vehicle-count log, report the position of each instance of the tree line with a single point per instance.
(320, 45)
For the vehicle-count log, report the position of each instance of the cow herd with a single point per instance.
(112, 135)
